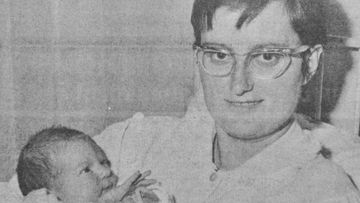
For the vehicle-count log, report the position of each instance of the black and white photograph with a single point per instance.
(179, 101)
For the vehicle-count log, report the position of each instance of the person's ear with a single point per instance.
(313, 62)
(195, 59)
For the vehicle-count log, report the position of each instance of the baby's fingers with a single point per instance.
(146, 183)
(120, 191)
(143, 176)
(146, 195)
(132, 180)
(172, 199)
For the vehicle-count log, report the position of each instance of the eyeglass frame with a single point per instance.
(298, 52)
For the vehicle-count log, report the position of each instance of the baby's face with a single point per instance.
(85, 172)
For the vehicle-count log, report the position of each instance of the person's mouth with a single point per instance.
(107, 188)
(245, 103)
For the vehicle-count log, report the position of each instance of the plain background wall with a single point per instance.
(89, 63)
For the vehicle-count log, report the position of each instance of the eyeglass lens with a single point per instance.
(260, 64)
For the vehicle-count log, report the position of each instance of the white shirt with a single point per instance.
(179, 153)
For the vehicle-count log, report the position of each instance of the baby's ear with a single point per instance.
(313, 62)
(53, 198)
(53, 195)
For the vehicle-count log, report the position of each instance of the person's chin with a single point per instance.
(247, 126)
(234, 124)
(250, 133)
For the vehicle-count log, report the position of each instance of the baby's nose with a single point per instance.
(108, 179)
(103, 172)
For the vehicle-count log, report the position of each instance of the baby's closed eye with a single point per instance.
(106, 163)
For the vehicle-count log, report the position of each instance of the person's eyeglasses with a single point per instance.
(265, 63)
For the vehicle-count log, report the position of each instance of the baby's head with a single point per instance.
(68, 163)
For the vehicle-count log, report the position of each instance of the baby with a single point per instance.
(73, 168)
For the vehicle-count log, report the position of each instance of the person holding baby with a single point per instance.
(240, 139)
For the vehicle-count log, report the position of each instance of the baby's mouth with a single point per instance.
(107, 188)
(109, 184)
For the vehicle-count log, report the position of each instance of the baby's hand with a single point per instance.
(128, 188)
(144, 195)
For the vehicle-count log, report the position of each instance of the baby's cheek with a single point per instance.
(114, 179)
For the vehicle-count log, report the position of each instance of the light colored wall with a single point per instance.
(346, 115)
(89, 63)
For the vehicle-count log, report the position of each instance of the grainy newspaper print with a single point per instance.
(222, 100)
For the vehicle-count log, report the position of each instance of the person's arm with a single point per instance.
(128, 144)
(118, 138)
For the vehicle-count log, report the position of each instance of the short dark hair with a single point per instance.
(307, 16)
(35, 169)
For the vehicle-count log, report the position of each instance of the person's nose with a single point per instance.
(241, 80)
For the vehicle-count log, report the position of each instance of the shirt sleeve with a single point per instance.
(118, 138)
(127, 144)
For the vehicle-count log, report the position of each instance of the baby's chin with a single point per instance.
(109, 185)
(107, 189)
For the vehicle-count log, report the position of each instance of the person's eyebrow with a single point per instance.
(269, 45)
(254, 47)
(216, 45)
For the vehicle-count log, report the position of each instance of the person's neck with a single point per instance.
(231, 152)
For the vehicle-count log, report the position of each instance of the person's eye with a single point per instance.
(267, 59)
(218, 57)
(85, 170)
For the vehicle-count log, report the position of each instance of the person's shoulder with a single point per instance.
(139, 120)
(126, 143)
(334, 139)
(153, 123)
(323, 170)
(321, 179)
(320, 129)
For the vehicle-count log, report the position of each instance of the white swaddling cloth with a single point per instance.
(162, 194)
(10, 193)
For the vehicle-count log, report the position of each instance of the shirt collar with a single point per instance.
(273, 167)
(293, 149)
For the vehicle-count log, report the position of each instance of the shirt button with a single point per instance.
(213, 177)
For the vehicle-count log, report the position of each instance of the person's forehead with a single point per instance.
(74, 153)
(272, 25)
